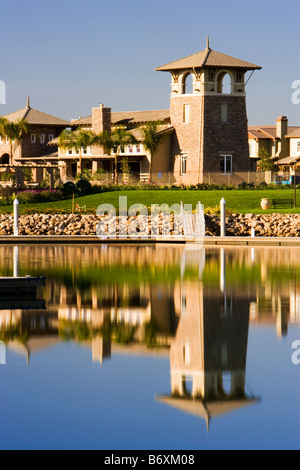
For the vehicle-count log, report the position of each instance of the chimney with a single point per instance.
(282, 127)
(101, 120)
(281, 132)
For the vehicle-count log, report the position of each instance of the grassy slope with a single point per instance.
(244, 201)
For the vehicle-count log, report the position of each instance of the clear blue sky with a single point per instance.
(73, 55)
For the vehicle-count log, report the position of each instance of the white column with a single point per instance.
(223, 217)
(16, 218)
(16, 261)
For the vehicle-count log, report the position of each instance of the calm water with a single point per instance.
(151, 348)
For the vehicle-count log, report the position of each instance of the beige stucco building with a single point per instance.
(282, 142)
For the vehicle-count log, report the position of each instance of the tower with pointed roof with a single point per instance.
(210, 122)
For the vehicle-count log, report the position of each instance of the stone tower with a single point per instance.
(210, 123)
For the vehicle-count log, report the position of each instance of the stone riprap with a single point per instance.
(273, 225)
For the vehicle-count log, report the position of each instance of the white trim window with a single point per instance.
(33, 138)
(252, 149)
(51, 137)
(42, 138)
(183, 165)
(226, 164)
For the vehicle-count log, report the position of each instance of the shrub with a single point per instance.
(245, 185)
(32, 196)
(69, 188)
(83, 186)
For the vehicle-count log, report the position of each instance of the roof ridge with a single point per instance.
(14, 112)
(266, 133)
(183, 58)
(208, 51)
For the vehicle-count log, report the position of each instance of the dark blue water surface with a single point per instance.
(152, 348)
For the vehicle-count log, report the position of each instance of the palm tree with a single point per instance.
(13, 132)
(114, 141)
(77, 140)
(153, 136)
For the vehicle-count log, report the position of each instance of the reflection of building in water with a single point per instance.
(127, 304)
(210, 348)
(138, 286)
(25, 325)
(124, 304)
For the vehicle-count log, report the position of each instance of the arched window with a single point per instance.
(4, 160)
(188, 84)
(187, 385)
(224, 83)
(225, 384)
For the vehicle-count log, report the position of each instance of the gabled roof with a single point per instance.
(139, 117)
(35, 117)
(263, 132)
(129, 117)
(293, 132)
(208, 58)
(288, 160)
(270, 132)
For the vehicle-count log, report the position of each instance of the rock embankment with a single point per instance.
(274, 225)
(271, 225)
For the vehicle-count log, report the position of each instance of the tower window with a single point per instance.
(226, 164)
(224, 112)
(224, 83)
(188, 85)
(183, 164)
(186, 113)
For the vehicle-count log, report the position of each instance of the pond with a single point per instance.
(151, 347)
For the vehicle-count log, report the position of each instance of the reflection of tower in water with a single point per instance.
(208, 355)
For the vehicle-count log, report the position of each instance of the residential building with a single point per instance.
(206, 127)
(94, 158)
(206, 134)
(282, 143)
(33, 147)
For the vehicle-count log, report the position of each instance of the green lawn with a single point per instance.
(240, 201)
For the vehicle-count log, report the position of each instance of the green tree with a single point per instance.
(14, 132)
(125, 168)
(265, 162)
(77, 140)
(114, 141)
(153, 136)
